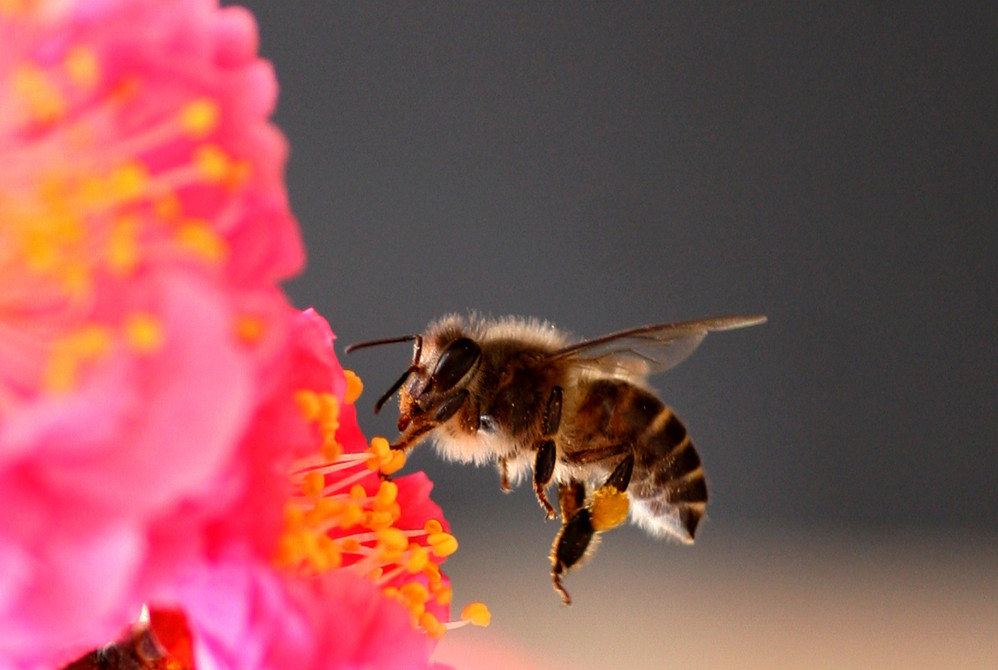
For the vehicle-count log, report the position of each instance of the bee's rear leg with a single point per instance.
(547, 452)
(607, 509)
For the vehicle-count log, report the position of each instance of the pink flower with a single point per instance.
(172, 432)
(144, 225)
(359, 583)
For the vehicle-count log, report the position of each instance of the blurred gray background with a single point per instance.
(607, 165)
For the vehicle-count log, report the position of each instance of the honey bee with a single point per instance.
(579, 414)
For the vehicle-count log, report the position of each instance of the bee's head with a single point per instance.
(434, 386)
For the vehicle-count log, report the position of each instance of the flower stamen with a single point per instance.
(346, 516)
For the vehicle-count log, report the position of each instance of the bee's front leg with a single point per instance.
(547, 452)
(607, 509)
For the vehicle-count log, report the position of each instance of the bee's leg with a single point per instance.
(504, 475)
(571, 497)
(547, 453)
(606, 510)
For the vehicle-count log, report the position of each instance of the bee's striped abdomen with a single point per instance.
(668, 489)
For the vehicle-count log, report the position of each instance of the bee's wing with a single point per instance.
(649, 349)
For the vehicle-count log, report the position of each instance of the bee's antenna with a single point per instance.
(375, 343)
(395, 387)
(405, 375)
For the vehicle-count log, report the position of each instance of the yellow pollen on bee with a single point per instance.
(354, 387)
(200, 117)
(144, 332)
(609, 508)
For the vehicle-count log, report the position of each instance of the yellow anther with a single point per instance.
(442, 544)
(414, 592)
(432, 573)
(289, 550)
(313, 484)
(327, 507)
(608, 509)
(391, 543)
(323, 510)
(198, 238)
(379, 451)
(331, 552)
(127, 181)
(61, 371)
(378, 520)
(123, 246)
(200, 117)
(433, 526)
(329, 409)
(293, 515)
(308, 403)
(90, 342)
(434, 629)
(250, 328)
(82, 67)
(212, 162)
(354, 387)
(387, 494)
(357, 492)
(239, 173)
(331, 449)
(442, 593)
(144, 332)
(41, 96)
(351, 515)
(394, 463)
(168, 207)
(477, 614)
(72, 351)
(349, 544)
(418, 558)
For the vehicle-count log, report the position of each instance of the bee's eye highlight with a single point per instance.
(455, 361)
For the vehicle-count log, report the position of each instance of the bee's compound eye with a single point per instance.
(455, 361)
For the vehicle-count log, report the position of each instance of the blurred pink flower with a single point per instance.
(156, 389)
(143, 225)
